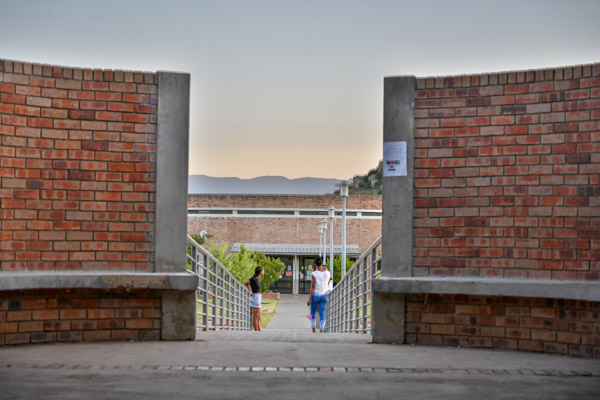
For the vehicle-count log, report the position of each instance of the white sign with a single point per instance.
(394, 159)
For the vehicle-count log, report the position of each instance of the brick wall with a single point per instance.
(299, 230)
(77, 171)
(283, 201)
(40, 316)
(507, 174)
(512, 323)
(283, 230)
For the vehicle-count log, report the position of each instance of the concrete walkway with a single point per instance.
(290, 324)
(292, 313)
(286, 363)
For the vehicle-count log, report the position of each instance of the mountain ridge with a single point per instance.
(272, 184)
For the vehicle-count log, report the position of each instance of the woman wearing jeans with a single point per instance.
(318, 294)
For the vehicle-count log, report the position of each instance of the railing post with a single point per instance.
(227, 303)
(222, 297)
(346, 306)
(365, 298)
(205, 294)
(353, 299)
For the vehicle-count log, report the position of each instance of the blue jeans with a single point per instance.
(321, 302)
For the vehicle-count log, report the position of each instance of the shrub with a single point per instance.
(242, 264)
(337, 268)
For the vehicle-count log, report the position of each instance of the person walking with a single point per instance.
(321, 278)
(253, 285)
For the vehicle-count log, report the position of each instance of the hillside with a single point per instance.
(369, 184)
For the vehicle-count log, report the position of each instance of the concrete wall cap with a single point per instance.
(98, 280)
(537, 288)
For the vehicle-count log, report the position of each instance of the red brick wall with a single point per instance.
(362, 232)
(40, 316)
(300, 230)
(507, 174)
(283, 201)
(77, 171)
(542, 325)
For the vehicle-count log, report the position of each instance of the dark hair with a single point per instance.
(318, 261)
(258, 270)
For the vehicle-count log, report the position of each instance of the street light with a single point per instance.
(324, 223)
(343, 185)
(320, 240)
(331, 215)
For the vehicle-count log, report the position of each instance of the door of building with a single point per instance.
(305, 278)
(285, 282)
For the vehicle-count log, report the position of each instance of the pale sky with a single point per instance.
(295, 88)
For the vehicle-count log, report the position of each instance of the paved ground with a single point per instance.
(287, 363)
(292, 313)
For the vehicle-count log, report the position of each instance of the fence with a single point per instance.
(222, 302)
(349, 308)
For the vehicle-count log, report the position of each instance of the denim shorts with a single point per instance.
(255, 300)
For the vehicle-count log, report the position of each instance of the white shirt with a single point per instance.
(321, 281)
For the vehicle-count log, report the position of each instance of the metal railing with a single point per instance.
(222, 302)
(349, 308)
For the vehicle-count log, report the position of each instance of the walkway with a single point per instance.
(290, 324)
(286, 363)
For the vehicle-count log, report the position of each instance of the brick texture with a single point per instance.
(541, 325)
(298, 230)
(42, 316)
(77, 168)
(507, 174)
(283, 201)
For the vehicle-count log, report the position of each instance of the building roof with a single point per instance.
(352, 250)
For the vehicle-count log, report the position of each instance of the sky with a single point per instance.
(295, 88)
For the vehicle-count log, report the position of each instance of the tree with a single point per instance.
(273, 268)
(337, 268)
(242, 264)
(201, 238)
(219, 251)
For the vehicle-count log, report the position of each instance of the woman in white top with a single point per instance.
(321, 278)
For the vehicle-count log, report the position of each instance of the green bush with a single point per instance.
(273, 268)
(242, 264)
(201, 239)
(337, 268)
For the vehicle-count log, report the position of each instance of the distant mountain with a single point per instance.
(202, 184)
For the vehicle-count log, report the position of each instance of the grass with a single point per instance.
(267, 312)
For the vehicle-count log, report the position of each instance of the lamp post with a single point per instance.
(320, 240)
(343, 193)
(324, 223)
(331, 215)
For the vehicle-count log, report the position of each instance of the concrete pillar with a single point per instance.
(178, 307)
(397, 224)
(388, 317)
(178, 315)
(172, 171)
(295, 275)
